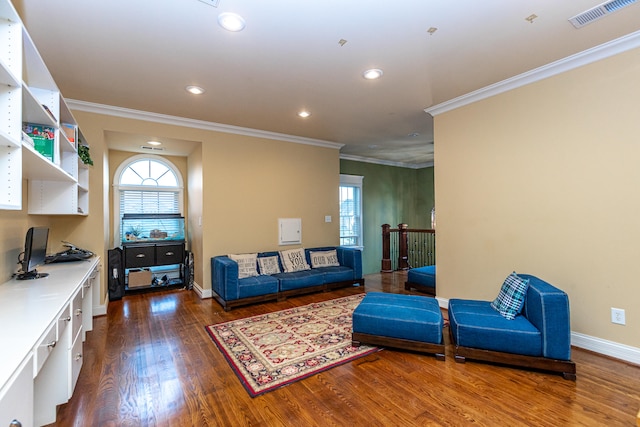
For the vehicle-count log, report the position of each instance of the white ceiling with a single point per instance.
(141, 54)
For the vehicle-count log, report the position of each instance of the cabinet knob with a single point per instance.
(169, 254)
(15, 423)
(78, 311)
(52, 344)
(78, 357)
(140, 256)
(66, 319)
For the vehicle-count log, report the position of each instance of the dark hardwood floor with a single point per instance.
(150, 362)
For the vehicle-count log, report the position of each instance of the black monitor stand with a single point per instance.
(30, 275)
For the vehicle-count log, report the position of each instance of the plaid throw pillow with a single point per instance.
(511, 297)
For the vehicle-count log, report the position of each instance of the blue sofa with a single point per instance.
(230, 291)
(538, 338)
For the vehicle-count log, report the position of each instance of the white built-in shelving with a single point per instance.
(28, 94)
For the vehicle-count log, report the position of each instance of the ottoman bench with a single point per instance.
(409, 322)
(422, 279)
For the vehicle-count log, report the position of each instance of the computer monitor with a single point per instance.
(35, 252)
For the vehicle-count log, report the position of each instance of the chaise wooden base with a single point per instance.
(381, 341)
(565, 367)
(431, 291)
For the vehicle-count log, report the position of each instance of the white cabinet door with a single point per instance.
(16, 398)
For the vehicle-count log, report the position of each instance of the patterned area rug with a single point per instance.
(275, 349)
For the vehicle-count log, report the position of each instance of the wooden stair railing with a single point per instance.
(395, 247)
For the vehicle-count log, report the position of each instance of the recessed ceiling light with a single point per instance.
(372, 74)
(196, 90)
(154, 143)
(304, 114)
(231, 21)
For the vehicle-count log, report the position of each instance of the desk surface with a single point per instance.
(29, 307)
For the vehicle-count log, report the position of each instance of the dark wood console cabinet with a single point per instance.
(153, 254)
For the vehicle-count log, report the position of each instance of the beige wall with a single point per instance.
(543, 180)
(194, 224)
(249, 183)
(238, 185)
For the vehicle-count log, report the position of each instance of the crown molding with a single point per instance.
(605, 50)
(385, 162)
(128, 113)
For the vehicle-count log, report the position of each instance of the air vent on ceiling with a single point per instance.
(598, 12)
(147, 147)
(213, 3)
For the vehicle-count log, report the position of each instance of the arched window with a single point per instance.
(146, 184)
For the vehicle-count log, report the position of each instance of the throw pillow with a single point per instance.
(510, 300)
(324, 259)
(294, 260)
(268, 265)
(246, 264)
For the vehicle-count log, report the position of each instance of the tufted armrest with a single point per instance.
(547, 308)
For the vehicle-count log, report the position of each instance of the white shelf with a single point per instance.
(6, 76)
(33, 112)
(37, 167)
(29, 94)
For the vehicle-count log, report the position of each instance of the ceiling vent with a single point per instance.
(598, 12)
(213, 3)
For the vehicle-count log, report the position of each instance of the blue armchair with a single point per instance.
(538, 338)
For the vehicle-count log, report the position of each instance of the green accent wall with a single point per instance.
(390, 195)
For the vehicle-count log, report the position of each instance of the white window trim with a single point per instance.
(116, 188)
(355, 181)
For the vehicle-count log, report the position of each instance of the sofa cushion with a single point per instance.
(269, 265)
(246, 264)
(476, 324)
(324, 259)
(256, 285)
(294, 260)
(511, 297)
(336, 274)
(300, 279)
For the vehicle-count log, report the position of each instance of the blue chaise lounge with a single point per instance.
(538, 338)
(422, 279)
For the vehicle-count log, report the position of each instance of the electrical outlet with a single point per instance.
(617, 316)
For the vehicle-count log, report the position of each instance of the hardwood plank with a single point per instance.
(150, 362)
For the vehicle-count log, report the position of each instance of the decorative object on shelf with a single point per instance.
(83, 153)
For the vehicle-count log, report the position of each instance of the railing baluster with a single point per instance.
(405, 248)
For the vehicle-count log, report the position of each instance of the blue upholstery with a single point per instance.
(425, 276)
(230, 291)
(542, 329)
(410, 317)
(225, 282)
(476, 324)
(299, 279)
(547, 308)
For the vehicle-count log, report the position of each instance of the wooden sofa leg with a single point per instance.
(439, 356)
(460, 359)
(569, 376)
(355, 343)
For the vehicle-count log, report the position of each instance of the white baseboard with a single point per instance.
(606, 347)
(202, 293)
(101, 309)
(597, 345)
